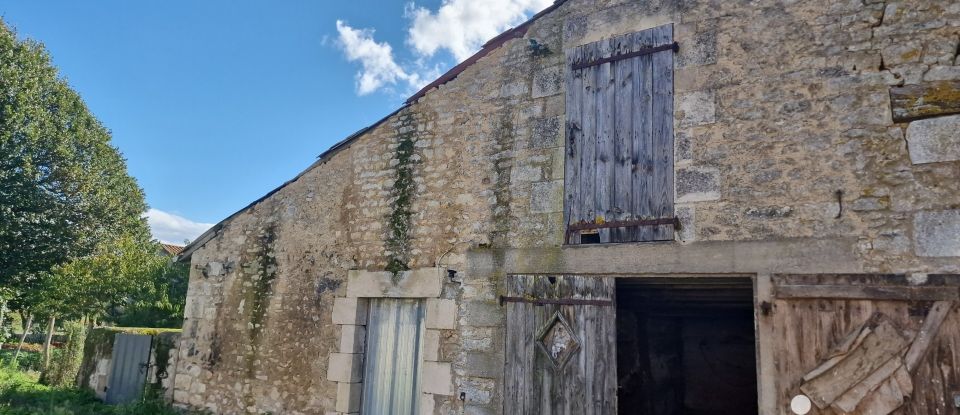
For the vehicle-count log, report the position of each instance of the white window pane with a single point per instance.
(391, 381)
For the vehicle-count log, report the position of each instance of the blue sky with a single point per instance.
(216, 102)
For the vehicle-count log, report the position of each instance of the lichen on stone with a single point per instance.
(257, 274)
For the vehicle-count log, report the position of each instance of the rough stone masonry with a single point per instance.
(810, 136)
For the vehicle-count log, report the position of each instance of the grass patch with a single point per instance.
(27, 361)
(21, 394)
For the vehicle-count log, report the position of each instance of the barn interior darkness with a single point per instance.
(686, 346)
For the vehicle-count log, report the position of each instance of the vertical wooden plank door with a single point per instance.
(619, 126)
(560, 345)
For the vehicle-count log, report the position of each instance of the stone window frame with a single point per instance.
(350, 314)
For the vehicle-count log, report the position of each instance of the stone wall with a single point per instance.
(785, 141)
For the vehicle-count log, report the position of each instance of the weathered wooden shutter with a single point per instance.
(861, 344)
(619, 129)
(561, 345)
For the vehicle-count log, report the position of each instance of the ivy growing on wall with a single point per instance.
(401, 209)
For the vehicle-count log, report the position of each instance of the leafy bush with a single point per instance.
(21, 394)
(28, 360)
(40, 337)
(65, 362)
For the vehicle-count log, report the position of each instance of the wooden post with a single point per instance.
(23, 337)
(3, 310)
(766, 368)
(46, 345)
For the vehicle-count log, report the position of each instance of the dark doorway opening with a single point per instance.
(686, 346)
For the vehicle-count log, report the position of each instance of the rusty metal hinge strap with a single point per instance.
(645, 51)
(556, 301)
(584, 226)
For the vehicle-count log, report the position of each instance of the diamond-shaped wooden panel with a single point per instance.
(558, 340)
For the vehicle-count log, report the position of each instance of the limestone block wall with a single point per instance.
(257, 330)
(780, 108)
(785, 131)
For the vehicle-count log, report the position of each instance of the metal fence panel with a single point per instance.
(131, 356)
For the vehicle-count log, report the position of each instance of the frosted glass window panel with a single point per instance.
(391, 378)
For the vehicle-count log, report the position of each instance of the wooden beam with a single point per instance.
(869, 279)
(866, 292)
(766, 346)
(928, 332)
(929, 99)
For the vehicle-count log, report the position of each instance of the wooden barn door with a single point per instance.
(862, 344)
(560, 345)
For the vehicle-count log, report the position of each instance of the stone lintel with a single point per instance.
(417, 283)
(794, 255)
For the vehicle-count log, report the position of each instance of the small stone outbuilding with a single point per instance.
(643, 207)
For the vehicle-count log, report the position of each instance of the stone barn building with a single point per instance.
(635, 207)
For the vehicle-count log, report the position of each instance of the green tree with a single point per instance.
(160, 300)
(71, 218)
(65, 194)
(95, 284)
(62, 371)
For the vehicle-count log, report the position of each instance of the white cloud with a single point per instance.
(379, 68)
(462, 26)
(458, 26)
(174, 229)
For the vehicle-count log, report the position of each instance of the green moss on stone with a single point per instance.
(260, 278)
(163, 344)
(257, 274)
(401, 209)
